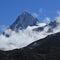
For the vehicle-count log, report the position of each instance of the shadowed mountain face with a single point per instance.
(44, 49)
(23, 21)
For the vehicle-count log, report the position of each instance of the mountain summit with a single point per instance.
(23, 21)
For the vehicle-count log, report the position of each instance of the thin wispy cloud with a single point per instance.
(2, 28)
(41, 13)
(38, 13)
(47, 20)
(35, 15)
(58, 17)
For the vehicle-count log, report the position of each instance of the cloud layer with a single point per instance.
(20, 39)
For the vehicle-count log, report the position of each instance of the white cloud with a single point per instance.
(20, 39)
(2, 28)
(58, 12)
(58, 17)
(47, 20)
(35, 15)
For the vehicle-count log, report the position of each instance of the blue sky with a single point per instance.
(10, 9)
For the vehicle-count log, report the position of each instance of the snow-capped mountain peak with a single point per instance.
(24, 20)
(31, 31)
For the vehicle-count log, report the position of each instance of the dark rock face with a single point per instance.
(44, 49)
